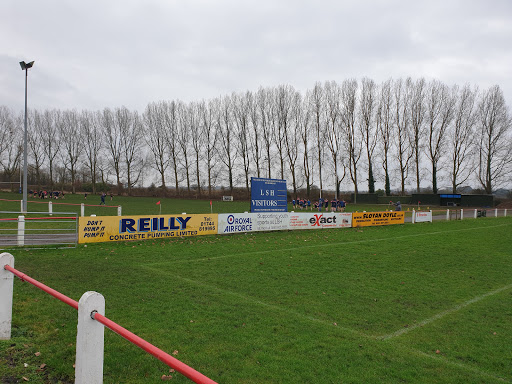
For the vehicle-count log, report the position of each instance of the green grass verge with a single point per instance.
(409, 303)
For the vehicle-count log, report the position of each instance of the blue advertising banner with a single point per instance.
(268, 195)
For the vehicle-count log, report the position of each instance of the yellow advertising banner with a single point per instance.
(124, 228)
(365, 219)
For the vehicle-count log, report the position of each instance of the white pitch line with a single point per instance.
(325, 245)
(443, 314)
(261, 303)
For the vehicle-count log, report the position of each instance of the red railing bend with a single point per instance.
(170, 361)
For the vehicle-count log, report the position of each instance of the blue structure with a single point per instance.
(268, 195)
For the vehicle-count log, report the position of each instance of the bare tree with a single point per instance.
(292, 138)
(35, 144)
(11, 145)
(417, 111)
(351, 140)
(49, 136)
(495, 151)
(283, 97)
(111, 123)
(91, 128)
(197, 140)
(368, 127)
(209, 133)
(241, 114)
(265, 107)
(155, 136)
(170, 115)
(317, 108)
(227, 149)
(385, 127)
(306, 132)
(334, 128)
(256, 135)
(130, 124)
(72, 143)
(401, 93)
(461, 138)
(440, 109)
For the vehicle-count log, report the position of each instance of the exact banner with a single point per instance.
(303, 220)
(268, 195)
(422, 217)
(365, 219)
(122, 228)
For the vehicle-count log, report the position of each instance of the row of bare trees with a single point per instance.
(400, 133)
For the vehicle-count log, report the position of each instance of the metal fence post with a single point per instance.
(496, 212)
(6, 287)
(461, 214)
(21, 231)
(82, 210)
(447, 214)
(21, 209)
(119, 210)
(505, 213)
(413, 216)
(475, 212)
(89, 340)
(50, 208)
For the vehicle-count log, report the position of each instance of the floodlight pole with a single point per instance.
(25, 67)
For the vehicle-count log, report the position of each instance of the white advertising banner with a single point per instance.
(306, 220)
(236, 223)
(272, 221)
(423, 217)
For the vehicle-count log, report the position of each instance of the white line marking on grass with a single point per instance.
(437, 358)
(344, 243)
(443, 314)
(261, 303)
(457, 364)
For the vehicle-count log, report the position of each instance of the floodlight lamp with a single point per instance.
(25, 66)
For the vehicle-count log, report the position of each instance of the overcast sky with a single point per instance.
(94, 54)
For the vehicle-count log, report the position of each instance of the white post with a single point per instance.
(119, 210)
(21, 231)
(475, 213)
(505, 213)
(413, 216)
(89, 340)
(496, 212)
(447, 214)
(461, 214)
(431, 216)
(21, 209)
(50, 208)
(6, 287)
(82, 210)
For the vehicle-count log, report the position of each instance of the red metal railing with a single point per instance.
(170, 361)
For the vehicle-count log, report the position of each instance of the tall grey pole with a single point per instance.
(25, 150)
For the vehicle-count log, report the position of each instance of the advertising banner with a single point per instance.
(125, 228)
(268, 195)
(365, 219)
(304, 220)
(270, 221)
(236, 223)
(423, 217)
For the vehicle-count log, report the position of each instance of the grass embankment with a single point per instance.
(409, 303)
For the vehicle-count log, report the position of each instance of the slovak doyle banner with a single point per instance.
(125, 228)
(365, 219)
(306, 220)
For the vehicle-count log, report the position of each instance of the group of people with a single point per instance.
(336, 205)
(43, 194)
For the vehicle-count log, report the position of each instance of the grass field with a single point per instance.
(142, 205)
(427, 303)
